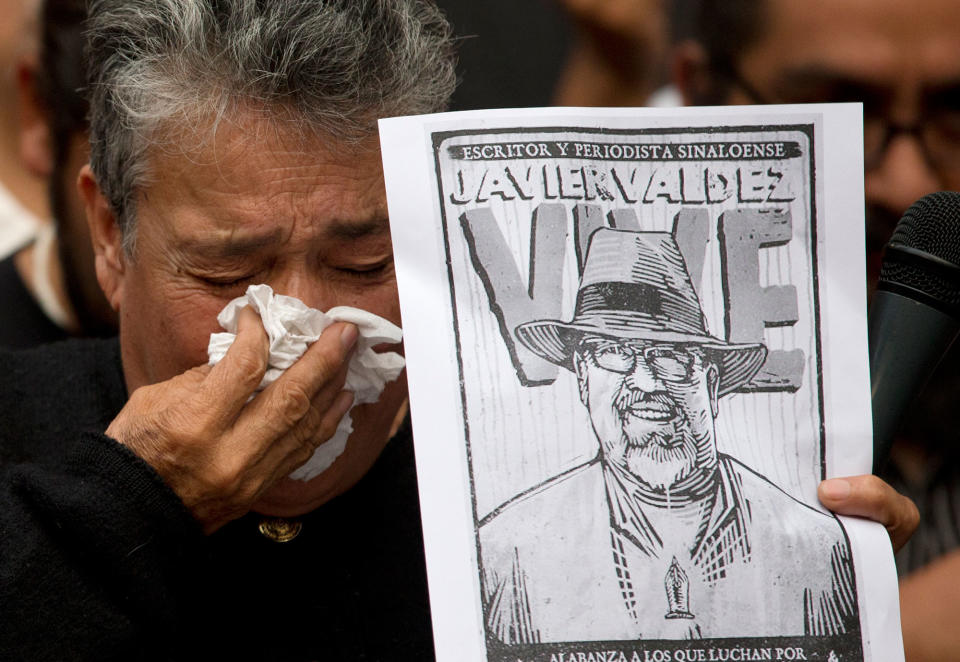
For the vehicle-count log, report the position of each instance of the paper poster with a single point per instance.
(636, 344)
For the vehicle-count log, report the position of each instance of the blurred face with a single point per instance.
(18, 24)
(56, 157)
(254, 206)
(901, 59)
(652, 408)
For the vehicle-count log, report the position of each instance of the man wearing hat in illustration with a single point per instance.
(660, 536)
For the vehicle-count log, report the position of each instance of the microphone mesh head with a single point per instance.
(931, 226)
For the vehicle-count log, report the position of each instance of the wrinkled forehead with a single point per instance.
(239, 128)
(249, 183)
(244, 145)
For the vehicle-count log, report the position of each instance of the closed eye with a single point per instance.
(373, 270)
(228, 283)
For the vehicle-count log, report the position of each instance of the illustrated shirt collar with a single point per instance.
(723, 528)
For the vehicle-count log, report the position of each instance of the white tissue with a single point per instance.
(291, 327)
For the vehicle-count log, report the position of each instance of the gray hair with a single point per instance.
(159, 68)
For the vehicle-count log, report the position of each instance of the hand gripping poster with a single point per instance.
(636, 344)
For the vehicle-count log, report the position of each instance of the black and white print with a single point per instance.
(639, 357)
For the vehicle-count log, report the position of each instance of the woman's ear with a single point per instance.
(106, 237)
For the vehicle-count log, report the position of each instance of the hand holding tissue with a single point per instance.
(291, 327)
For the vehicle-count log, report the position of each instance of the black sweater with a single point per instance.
(24, 323)
(99, 560)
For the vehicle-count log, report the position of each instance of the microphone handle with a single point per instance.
(907, 341)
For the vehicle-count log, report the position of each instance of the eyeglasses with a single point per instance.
(938, 135)
(668, 363)
(937, 131)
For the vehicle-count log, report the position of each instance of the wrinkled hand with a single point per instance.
(216, 451)
(870, 497)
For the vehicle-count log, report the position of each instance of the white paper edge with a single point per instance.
(844, 407)
(445, 506)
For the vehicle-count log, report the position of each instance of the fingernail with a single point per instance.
(348, 336)
(343, 403)
(835, 488)
(246, 312)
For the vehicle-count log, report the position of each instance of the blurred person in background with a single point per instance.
(902, 61)
(562, 52)
(23, 200)
(618, 53)
(507, 63)
(48, 288)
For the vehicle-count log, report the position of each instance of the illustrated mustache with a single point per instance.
(630, 398)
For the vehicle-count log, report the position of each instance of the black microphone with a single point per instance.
(915, 313)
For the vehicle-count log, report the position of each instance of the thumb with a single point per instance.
(869, 496)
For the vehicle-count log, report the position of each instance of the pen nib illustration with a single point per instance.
(677, 586)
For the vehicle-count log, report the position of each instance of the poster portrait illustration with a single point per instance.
(641, 365)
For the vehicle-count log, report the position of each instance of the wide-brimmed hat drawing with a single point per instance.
(635, 286)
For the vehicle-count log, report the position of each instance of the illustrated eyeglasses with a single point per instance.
(668, 363)
(937, 131)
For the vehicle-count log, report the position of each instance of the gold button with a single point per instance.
(278, 529)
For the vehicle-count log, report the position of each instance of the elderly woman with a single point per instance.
(233, 142)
